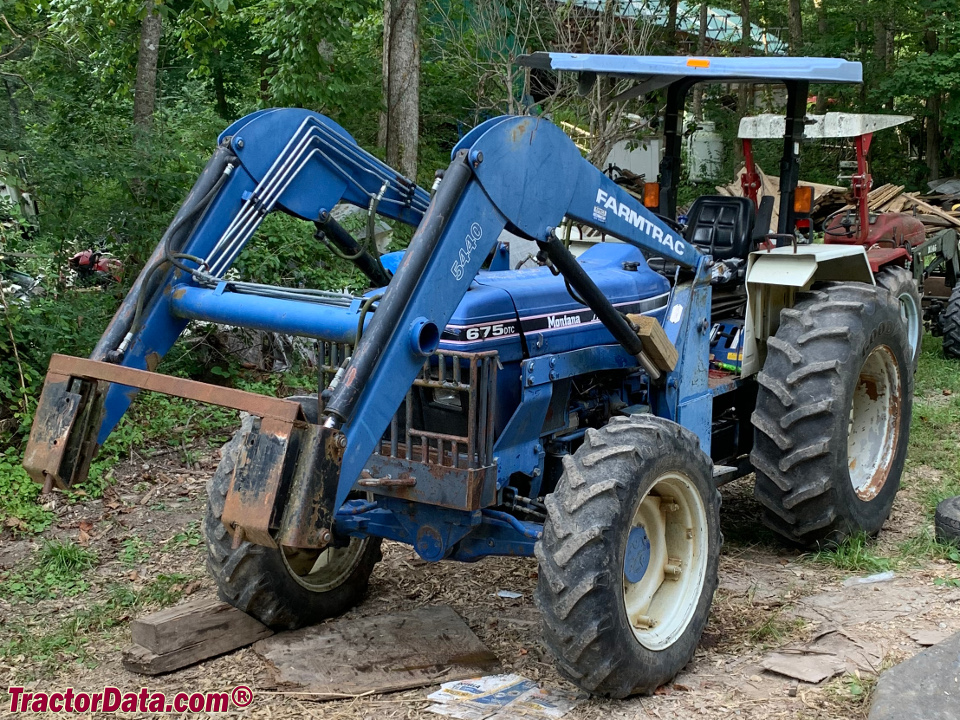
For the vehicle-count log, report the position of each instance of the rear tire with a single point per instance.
(950, 323)
(832, 418)
(284, 588)
(899, 281)
(626, 576)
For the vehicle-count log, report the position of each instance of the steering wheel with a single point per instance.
(674, 225)
(851, 230)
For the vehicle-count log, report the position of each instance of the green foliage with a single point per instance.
(19, 509)
(284, 252)
(51, 646)
(133, 551)
(56, 572)
(855, 554)
(191, 536)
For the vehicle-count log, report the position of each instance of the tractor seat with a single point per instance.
(721, 226)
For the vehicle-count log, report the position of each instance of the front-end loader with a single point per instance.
(567, 411)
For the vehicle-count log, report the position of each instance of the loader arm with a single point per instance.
(282, 159)
(525, 175)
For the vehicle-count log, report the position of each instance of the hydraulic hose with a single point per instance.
(342, 244)
(123, 319)
(170, 257)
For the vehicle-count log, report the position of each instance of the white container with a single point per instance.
(705, 153)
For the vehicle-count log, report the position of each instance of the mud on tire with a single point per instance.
(832, 418)
(264, 582)
(584, 585)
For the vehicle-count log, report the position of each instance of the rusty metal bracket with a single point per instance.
(308, 515)
(63, 438)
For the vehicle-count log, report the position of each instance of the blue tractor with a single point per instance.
(567, 411)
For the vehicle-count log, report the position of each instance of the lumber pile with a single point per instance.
(882, 199)
(892, 198)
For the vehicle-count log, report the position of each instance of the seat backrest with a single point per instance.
(721, 226)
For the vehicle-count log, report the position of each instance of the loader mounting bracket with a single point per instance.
(62, 441)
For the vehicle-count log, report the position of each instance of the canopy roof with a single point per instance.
(654, 72)
(831, 125)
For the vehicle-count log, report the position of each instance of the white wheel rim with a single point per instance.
(872, 435)
(323, 570)
(660, 604)
(910, 314)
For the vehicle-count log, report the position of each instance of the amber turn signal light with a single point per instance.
(651, 195)
(803, 200)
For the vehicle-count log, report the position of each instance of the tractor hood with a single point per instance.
(531, 312)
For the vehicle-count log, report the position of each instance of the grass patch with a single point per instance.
(190, 536)
(855, 554)
(133, 551)
(49, 649)
(56, 572)
(935, 427)
(859, 687)
(19, 509)
(925, 547)
(156, 419)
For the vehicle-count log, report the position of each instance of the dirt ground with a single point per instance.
(770, 598)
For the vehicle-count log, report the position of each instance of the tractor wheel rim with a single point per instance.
(665, 561)
(873, 432)
(910, 314)
(323, 570)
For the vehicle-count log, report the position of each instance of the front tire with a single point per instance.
(284, 588)
(832, 418)
(628, 559)
(899, 281)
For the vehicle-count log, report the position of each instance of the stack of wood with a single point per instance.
(892, 198)
(830, 198)
(826, 198)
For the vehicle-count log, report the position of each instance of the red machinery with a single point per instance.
(889, 237)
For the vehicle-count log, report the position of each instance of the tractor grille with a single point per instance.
(453, 389)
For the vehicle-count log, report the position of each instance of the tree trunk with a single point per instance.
(933, 136)
(795, 20)
(672, 25)
(701, 49)
(145, 90)
(931, 43)
(264, 80)
(385, 79)
(746, 49)
(821, 106)
(15, 124)
(400, 126)
(220, 88)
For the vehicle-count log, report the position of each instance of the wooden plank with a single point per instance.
(378, 654)
(931, 210)
(188, 633)
(656, 344)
